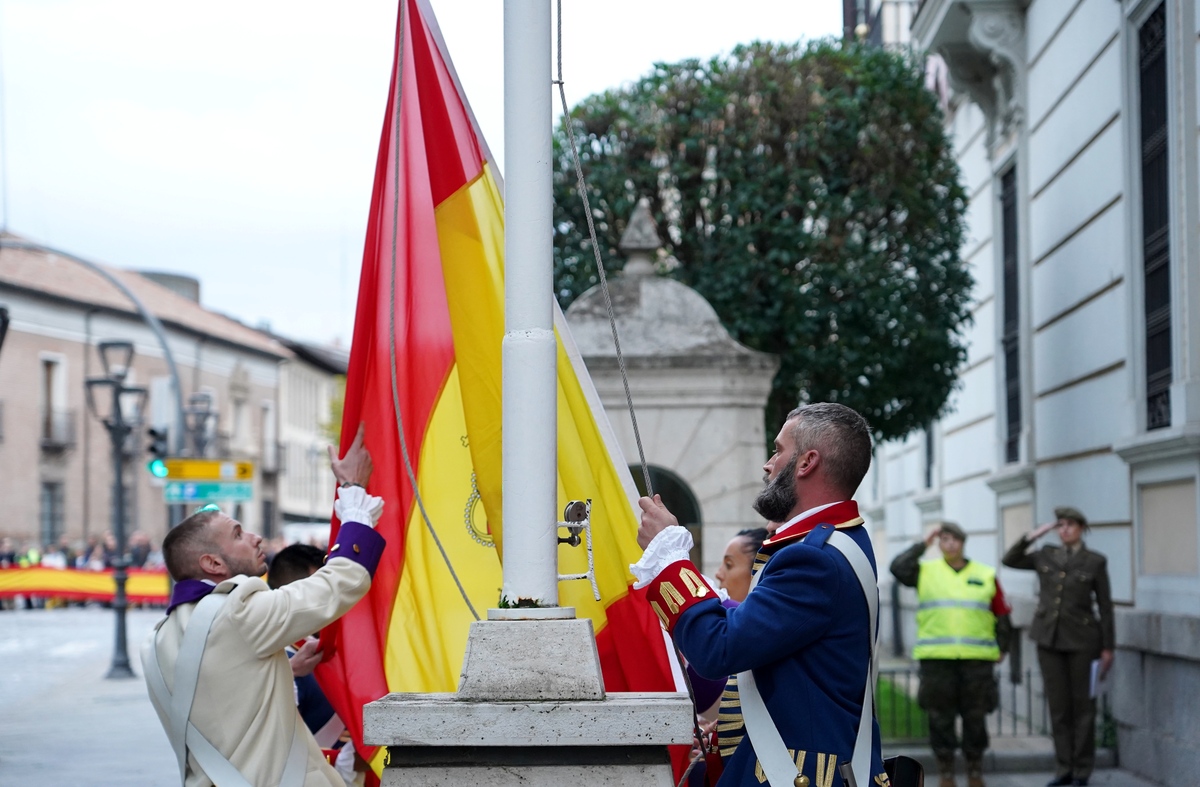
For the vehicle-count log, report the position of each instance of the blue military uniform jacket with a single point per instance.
(803, 630)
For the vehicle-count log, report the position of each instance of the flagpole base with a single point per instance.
(532, 613)
(531, 659)
(530, 710)
(438, 740)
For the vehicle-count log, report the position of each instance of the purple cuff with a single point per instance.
(706, 690)
(359, 543)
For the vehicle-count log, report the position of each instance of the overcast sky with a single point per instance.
(236, 141)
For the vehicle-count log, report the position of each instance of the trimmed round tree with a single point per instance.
(810, 193)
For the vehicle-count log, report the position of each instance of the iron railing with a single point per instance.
(1022, 711)
(57, 429)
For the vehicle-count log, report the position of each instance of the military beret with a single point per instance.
(1067, 512)
(953, 529)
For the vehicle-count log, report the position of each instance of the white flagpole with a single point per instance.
(530, 455)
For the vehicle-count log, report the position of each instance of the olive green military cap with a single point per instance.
(1067, 512)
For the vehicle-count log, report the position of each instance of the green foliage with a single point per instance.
(809, 192)
(337, 403)
(521, 603)
(899, 716)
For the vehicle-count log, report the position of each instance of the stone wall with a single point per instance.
(1156, 696)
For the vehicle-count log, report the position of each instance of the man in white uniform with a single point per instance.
(216, 667)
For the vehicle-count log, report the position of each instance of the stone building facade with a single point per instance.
(308, 383)
(56, 465)
(1075, 125)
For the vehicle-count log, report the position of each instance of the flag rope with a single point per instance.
(587, 211)
(412, 476)
(612, 322)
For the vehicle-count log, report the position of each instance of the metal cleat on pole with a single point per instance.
(578, 518)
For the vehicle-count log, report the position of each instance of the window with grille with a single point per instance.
(929, 456)
(52, 512)
(1011, 339)
(1156, 217)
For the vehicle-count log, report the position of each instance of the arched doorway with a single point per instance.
(678, 498)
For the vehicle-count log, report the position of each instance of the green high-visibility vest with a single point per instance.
(954, 618)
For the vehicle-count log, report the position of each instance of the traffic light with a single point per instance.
(158, 452)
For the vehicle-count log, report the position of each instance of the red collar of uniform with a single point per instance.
(841, 515)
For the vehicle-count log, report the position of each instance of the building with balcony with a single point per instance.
(56, 463)
(1075, 125)
(309, 383)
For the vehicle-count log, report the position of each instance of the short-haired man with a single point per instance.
(293, 562)
(803, 629)
(216, 668)
(963, 629)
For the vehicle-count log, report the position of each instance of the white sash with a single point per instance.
(182, 733)
(768, 744)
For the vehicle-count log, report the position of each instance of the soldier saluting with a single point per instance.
(1074, 582)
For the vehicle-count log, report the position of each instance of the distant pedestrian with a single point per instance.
(139, 549)
(963, 629)
(1073, 584)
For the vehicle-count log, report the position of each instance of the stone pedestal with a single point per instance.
(530, 710)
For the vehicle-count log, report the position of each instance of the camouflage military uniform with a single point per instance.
(953, 687)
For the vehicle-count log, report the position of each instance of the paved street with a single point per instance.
(63, 723)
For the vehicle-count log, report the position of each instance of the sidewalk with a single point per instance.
(1022, 762)
(63, 723)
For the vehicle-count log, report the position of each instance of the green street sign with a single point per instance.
(207, 491)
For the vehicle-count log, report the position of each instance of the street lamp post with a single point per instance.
(198, 413)
(3, 325)
(119, 407)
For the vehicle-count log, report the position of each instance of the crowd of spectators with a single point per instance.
(94, 553)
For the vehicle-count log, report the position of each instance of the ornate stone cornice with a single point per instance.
(1012, 478)
(983, 43)
(998, 29)
(1160, 445)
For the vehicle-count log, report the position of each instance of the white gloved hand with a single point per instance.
(353, 504)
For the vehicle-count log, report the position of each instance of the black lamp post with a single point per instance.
(199, 412)
(119, 407)
(3, 325)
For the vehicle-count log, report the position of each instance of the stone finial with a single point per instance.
(640, 240)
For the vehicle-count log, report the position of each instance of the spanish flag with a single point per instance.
(424, 376)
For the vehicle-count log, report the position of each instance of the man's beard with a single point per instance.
(778, 498)
(249, 566)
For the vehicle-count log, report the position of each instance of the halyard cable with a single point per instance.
(412, 477)
(587, 211)
(581, 183)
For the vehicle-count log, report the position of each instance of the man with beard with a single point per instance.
(215, 665)
(803, 630)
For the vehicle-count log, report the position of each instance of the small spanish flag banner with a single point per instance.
(141, 587)
(424, 376)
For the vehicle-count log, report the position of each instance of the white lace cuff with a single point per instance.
(669, 546)
(353, 504)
